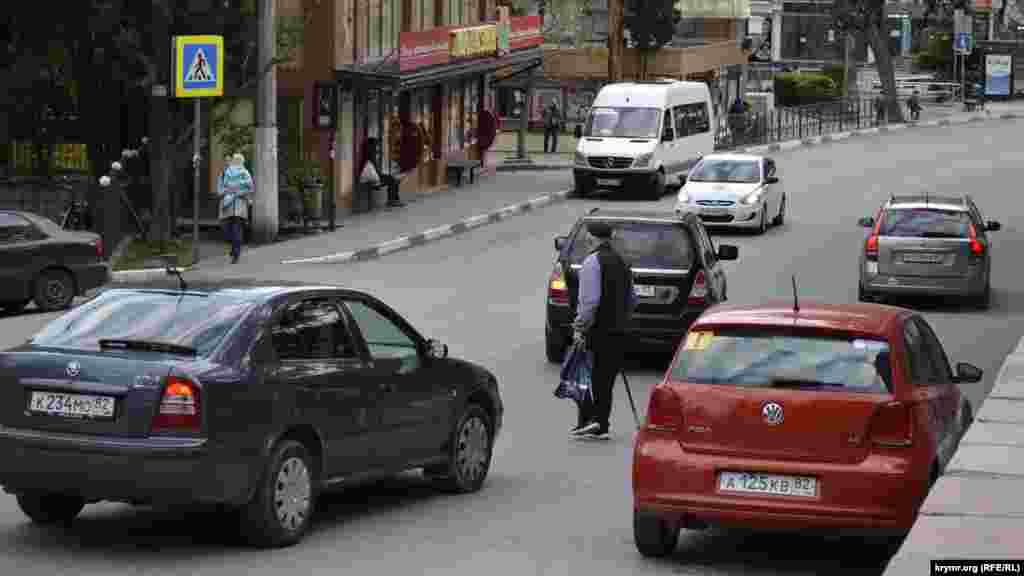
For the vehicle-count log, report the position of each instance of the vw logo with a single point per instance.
(772, 413)
(73, 369)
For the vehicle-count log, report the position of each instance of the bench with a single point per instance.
(460, 167)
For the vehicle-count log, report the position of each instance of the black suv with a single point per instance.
(676, 274)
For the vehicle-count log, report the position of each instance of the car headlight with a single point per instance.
(581, 159)
(753, 198)
(643, 160)
(682, 198)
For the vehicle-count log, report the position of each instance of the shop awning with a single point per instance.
(388, 77)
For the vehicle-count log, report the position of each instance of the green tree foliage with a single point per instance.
(800, 88)
(651, 25)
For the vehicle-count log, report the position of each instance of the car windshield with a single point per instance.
(734, 171)
(767, 359)
(189, 320)
(641, 244)
(925, 223)
(623, 123)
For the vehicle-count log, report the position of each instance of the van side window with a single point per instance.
(680, 122)
(666, 128)
(695, 117)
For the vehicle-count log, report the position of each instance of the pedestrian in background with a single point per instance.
(235, 189)
(375, 176)
(552, 126)
(605, 304)
(914, 105)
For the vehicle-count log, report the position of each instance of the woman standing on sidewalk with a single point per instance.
(234, 189)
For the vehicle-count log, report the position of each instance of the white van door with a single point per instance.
(666, 148)
(693, 122)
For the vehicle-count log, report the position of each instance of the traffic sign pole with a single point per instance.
(195, 182)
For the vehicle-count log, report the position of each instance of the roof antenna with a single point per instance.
(171, 266)
(796, 302)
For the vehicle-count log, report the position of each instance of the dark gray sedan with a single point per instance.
(927, 245)
(255, 397)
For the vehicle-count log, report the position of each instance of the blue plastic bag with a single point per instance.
(577, 369)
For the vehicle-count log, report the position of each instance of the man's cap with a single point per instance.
(599, 229)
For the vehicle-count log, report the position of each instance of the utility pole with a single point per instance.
(265, 204)
(615, 40)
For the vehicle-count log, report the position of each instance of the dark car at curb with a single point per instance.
(251, 397)
(42, 263)
(677, 275)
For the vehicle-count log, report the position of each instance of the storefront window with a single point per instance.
(382, 28)
(471, 105)
(455, 140)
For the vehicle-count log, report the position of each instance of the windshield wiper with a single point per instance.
(150, 346)
(798, 383)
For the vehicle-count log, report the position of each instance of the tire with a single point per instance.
(864, 295)
(54, 290)
(291, 475)
(658, 190)
(780, 218)
(50, 508)
(14, 307)
(984, 300)
(763, 226)
(465, 472)
(653, 537)
(554, 348)
(581, 189)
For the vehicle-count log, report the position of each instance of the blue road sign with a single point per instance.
(199, 66)
(962, 42)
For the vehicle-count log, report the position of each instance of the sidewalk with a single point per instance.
(975, 510)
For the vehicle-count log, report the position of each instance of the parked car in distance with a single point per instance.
(677, 275)
(925, 244)
(41, 262)
(734, 191)
(825, 417)
(253, 396)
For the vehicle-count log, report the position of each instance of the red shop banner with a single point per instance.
(526, 32)
(432, 47)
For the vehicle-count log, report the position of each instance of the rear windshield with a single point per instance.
(198, 322)
(732, 171)
(641, 244)
(925, 223)
(766, 360)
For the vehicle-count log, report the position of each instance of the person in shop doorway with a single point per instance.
(371, 173)
(606, 302)
(235, 189)
(914, 105)
(552, 126)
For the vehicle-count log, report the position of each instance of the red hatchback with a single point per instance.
(818, 417)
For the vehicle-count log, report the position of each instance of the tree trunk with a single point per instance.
(615, 41)
(886, 72)
(159, 120)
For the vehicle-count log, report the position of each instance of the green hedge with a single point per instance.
(800, 88)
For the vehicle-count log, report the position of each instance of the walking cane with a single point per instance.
(629, 393)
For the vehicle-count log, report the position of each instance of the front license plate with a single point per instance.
(714, 211)
(922, 258)
(608, 182)
(643, 291)
(71, 405)
(776, 485)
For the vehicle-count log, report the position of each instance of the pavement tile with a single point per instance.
(975, 496)
(989, 459)
(935, 537)
(1010, 381)
(994, 433)
(1001, 410)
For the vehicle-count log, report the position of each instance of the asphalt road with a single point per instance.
(554, 506)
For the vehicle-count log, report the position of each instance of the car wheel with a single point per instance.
(763, 226)
(282, 509)
(780, 219)
(44, 508)
(469, 457)
(654, 537)
(984, 301)
(658, 190)
(54, 290)
(865, 296)
(14, 307)
(581, 189)
(554, 347)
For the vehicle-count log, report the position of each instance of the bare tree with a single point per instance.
(868, 18)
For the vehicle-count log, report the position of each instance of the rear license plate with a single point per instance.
(922, 258)
(608, 182)
(714, 211)
(71, 405)
(643, 291)
(776, 485)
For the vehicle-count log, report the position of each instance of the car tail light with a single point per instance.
(179, 407)
(664, 411)
(871, 246)
(699, 292)
(893, 426)
(99, 248)
(977, 248)
(558, 290)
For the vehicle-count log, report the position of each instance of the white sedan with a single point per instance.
(734, 191)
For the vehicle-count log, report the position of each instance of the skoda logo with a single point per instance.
(73, 369)
(772, 413)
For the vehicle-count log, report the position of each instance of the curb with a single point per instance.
(404, 242)
(522, 167)
(141, 274)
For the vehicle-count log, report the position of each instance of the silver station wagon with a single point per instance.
(927, 245)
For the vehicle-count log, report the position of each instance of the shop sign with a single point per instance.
(433, 47)
(525, 32)
(426, 48)
(475, 42)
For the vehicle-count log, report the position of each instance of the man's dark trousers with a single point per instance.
(608, 360)
(233, 234)
(551, 135)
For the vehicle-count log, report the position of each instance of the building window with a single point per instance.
(456, 13)
(471, 106)
(455, 118)
(383, 23)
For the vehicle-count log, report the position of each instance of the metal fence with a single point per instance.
(797, 122)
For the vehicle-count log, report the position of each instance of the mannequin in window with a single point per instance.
(371, 172)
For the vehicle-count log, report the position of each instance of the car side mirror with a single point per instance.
(866, 222)
(968, 373)
(560, 242)
(437, 349)
(578, 131)
(992, 226)
(772, 180)
(728, 252)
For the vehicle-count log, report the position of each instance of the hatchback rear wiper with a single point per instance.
(798, 383)
(147, 345)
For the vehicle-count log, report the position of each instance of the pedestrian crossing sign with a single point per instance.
(198, 66)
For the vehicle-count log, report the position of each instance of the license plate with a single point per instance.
(714, 211)
(643, 291)
(922, 258)
(776, 485)
(71, 405)
(608, 182)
